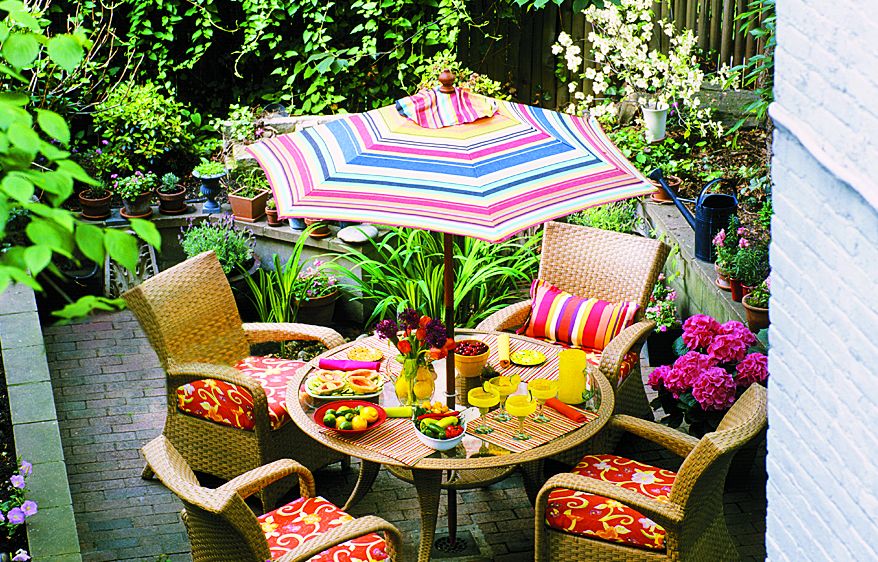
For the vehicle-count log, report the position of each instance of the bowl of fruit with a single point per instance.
(441, 430)
(350, 417)
(470, 356)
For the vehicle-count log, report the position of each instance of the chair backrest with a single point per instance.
(220, 525)
(591, 262)
(189, 314)
(701, 478)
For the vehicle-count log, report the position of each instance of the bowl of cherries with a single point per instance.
(470, 356)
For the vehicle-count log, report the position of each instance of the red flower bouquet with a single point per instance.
(717, 365)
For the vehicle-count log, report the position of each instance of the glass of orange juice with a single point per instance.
(504, 386)
(542, 390)
(483, 399)
(521, 406)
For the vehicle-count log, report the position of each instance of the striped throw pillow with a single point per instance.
(558, 316)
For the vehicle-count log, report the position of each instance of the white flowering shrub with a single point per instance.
(623, 65)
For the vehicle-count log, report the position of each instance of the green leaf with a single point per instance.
(20, 49)
(148, 231)
(24, 138)
(37, 258)
(122, 247)
(90, 240)
(65, 51)
(14, 98)
(43, 232)
(85, 305)
(18, 188)
(75, 171)
(53, 125)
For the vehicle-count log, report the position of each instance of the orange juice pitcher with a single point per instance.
(571, 375)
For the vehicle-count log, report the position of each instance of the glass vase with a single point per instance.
(416, 383)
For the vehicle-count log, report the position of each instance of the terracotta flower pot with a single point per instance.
(94, 208)
(138, 207)
(722, 278)
(322, 229)
(746, 290)
(757, 317)
(172, 203)
(271, 216)
(661, 196)
(318, 311)
(249, 209)
(737, 289)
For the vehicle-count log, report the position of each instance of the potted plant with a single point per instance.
(271, 213)
(136, 193)
(248, 199)
(751, 262)
(95, 202)
(662, 309)
(210, 174)
(756, 306)
(315, 291)
(171, 195)
(233, 245)
(318, 228)
(715, 367)
(725, 245)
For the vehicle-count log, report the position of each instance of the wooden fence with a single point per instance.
(517, 52)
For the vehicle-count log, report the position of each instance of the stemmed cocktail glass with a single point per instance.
(483, 398)
(542, 390)
(521, 406)
(504, 386)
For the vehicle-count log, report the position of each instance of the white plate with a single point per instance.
(341, 396)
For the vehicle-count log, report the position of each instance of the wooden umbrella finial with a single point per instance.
(446, 78)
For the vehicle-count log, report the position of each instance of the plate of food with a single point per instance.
(527, 357)
(350, 417)
(363, 353)
(338, 385)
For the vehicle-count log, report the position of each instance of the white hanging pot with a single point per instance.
(656, 119)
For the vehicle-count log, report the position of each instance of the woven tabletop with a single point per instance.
(301, 412)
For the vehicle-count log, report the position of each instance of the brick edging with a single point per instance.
(51, 533)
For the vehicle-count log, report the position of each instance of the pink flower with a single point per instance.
(742, 231)
(743, 243)
(738, 330)
(699, 330)
(726, 348)
(657, 376)
(686, 371)
(720, 238)
(714, 389)
(672, 296)
(752, 368)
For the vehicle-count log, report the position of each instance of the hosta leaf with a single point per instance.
(122, 248)
(20, 49)
(65, 51)
(90, 240)
(53, 125)
(37, 258)
(148, 231)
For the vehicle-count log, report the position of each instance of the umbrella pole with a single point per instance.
(448, 291)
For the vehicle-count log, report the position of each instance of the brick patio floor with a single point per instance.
(109, 396)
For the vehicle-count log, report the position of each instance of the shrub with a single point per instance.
(233, 245)
(207, 169)
(619, 217)
(145, 129)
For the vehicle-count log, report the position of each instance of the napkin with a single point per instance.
(503, 350)
(565, 410)
(348, 365)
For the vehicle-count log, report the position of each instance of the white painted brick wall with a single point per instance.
(823, 391)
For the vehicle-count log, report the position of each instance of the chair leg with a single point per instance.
(147, 473)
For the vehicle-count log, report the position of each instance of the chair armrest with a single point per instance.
(255, 480)
(675, 441)
(182, 373)
(621, 345)
(258, 332)
(345, 532)
(665, 513)
(512, 316)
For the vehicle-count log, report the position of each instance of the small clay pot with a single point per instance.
(271, 216)
(661, 196)
(737, 289)
(757, 317)
(172, 203)
(137, 208)
(722, 279)
(321, 229)
(94, 208)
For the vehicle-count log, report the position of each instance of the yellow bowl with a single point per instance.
(471, 365)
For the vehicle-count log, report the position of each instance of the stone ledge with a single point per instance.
(695, 285)
(51, 533)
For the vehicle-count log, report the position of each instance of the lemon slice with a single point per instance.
(527, 357)
(365, 354)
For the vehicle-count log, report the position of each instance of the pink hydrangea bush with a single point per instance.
(703, 383)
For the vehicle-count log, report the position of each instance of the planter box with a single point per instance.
(249, 209)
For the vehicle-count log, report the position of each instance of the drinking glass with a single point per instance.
(521, 406)
(504, 386)
(483, 399)
(542, 390)
(589, 394)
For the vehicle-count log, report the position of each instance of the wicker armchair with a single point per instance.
(222, 527)
(190, 317)
(595, 263)
(679, 516)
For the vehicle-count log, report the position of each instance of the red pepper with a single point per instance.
(453, 431)
(437, 416)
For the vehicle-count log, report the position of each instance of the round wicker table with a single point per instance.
(473, 463)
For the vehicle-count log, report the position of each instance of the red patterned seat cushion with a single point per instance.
(597, 517)
(305, 519)
(232, 405)
(631, 359)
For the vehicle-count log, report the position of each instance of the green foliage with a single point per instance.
(672, 156)
(464, 77)
(726, 244)
(662, 307)
(619, 217)
(407, 271)
(169, 183)
(250, 182)
(138, 183)
(758, 71)
(765, 212)
(233, 245)
(146, 129)
(760, 296)
(751, 264)
(240, 125)
(209, 169)
(34, 155)
(275, 291)
(271, 204)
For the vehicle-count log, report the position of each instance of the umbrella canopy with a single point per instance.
(510, 167)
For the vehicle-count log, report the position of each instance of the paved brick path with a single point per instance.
(109, 395)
